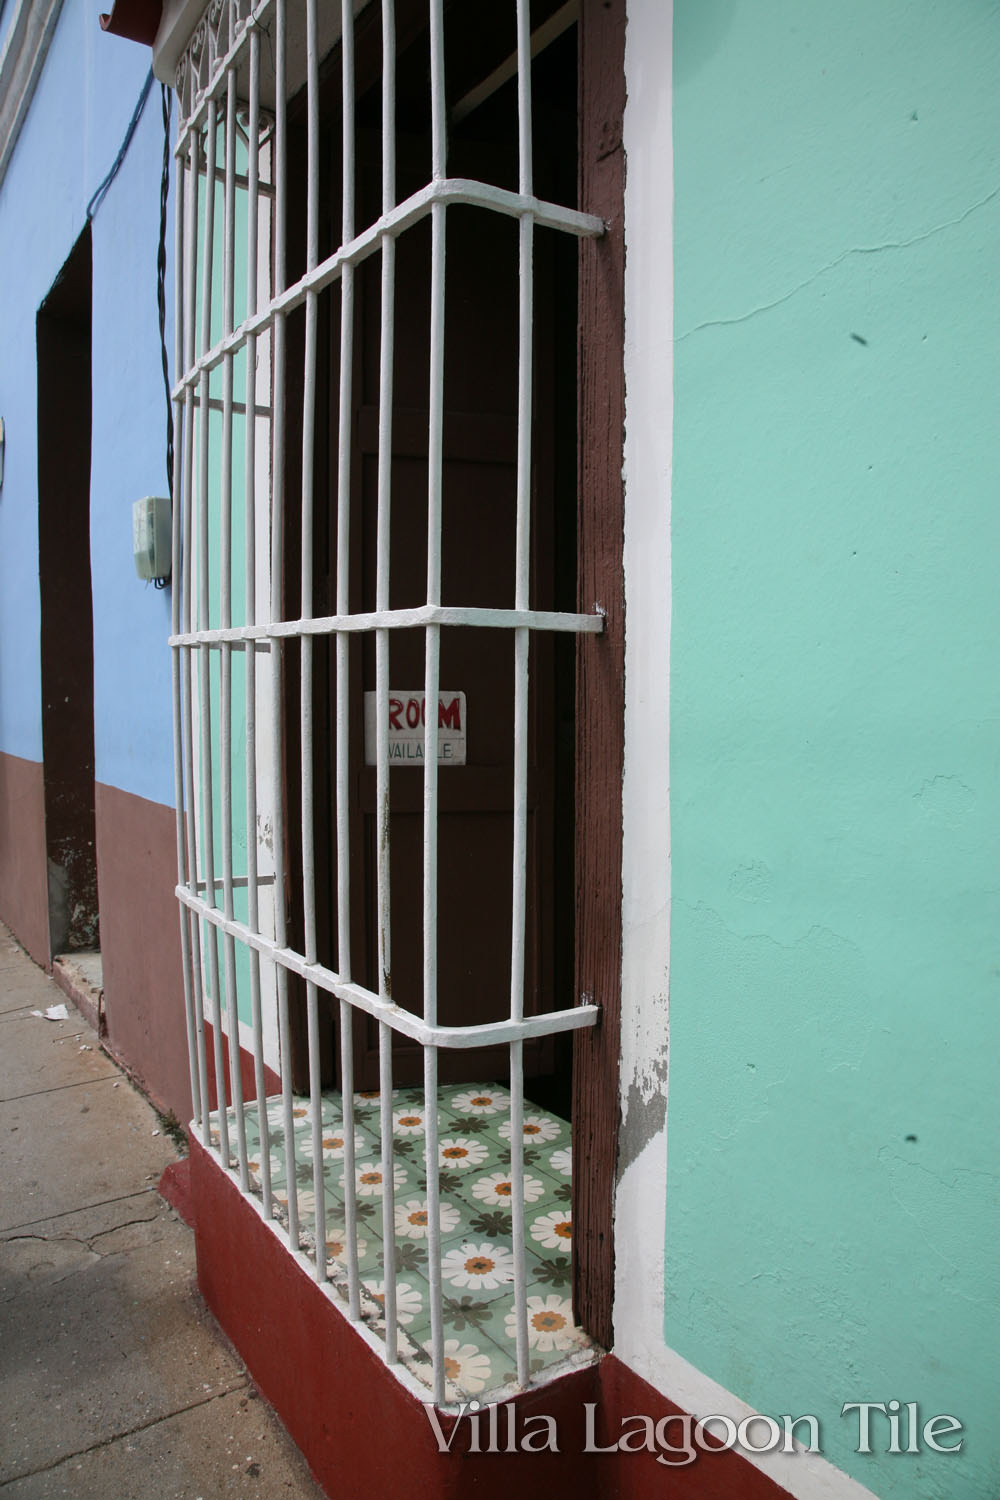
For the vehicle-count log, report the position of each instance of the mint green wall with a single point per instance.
(235, 502)
(835, 711)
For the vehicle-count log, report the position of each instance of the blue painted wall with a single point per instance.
(832, 1221)
(84, 100)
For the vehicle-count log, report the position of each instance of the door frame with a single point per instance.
(600, 682)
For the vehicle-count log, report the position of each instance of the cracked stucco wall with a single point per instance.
(835, 706)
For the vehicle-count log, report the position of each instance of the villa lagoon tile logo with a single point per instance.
(678, 1439)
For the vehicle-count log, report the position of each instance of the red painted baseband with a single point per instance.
(363, 1433)
(272, 1082)
(722, 1475)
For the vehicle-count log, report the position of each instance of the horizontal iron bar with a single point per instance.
(238, 407)
(237, 643)
(403, 1021)
(241, 180)
(399, 619)
(448, 190)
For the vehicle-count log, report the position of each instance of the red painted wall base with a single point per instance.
(272, 1082)
(364, 1434)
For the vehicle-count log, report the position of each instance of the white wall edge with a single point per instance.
(641, 1197)
(22, 58)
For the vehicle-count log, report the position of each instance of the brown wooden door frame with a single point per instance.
(600, 700)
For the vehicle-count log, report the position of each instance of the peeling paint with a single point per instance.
(751, 882)
(946, 799)
(644, 1116)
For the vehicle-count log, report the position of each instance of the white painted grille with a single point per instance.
(228, 636)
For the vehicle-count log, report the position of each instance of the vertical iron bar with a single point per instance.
(517, 1207)
(250, 587)
(386, 352)
(343, 658)
(306, 643)
(432, 662)
(188, 617)
(177, 563)
(439, 122)
(433, 1174)
(205, 653)
(522, 574)
(225, 619)
(277, 569)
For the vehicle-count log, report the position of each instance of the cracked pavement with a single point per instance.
(114, 1378)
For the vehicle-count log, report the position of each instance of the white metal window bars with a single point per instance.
(243, 342)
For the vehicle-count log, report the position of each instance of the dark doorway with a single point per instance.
(63, 335)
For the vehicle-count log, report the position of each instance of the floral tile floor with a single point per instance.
(477, 1264)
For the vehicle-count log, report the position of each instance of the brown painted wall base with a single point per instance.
(24, 897)
(141, 947)
(362, 1433)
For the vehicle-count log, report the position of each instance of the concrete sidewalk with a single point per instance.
(115, 1382)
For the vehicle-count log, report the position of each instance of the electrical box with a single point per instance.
(151, 536)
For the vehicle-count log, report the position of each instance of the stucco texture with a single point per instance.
(835, 798)
(85, 97)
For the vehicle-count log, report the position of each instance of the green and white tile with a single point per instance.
(477, 1261)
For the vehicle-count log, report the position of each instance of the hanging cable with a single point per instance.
(161, 253)
(116, 166)
(161, 279)
(161, 293)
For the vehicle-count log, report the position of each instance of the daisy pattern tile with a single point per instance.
(477, 1260)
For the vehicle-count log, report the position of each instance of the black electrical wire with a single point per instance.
(161, 254)
(116, 166)
(161, 293)
(161, 281)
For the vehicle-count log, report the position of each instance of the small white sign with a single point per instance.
(407, 718)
